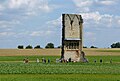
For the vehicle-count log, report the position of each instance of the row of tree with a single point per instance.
(49, 45)
(114, 45)
(90, 47)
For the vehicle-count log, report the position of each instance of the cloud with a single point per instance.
(91, 15)
(26, 33)
(119, 22)
(8, 24)
(19, 9)
(93, 5)
(30, 5)
(14, 12)
(108, 2)
(30, 13)
(17, 3)
(83, 3)
(95, 19)
(56, 22)
(86, 3)
(41, 33)
(1, 7)
(4, 34)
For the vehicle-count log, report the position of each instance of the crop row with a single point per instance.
(39, 68)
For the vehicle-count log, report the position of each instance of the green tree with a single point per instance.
(37, 47)
(115, 45)
(93, 47)
(84, 46)
(59, 46)
(20, 47)
(49, 45)
(29, 47)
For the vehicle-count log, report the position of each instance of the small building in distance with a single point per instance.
(72, 37)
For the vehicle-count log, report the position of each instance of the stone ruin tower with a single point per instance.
(72, 37)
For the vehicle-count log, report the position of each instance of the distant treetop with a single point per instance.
(49, 45)
(115, 45)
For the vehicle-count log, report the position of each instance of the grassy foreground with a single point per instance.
(59, 77)
(15, 65)
(12, 67)
(106, 59)
(65, 68)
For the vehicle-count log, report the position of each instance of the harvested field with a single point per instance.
(56, 52)
(102, 52)
(29, 52)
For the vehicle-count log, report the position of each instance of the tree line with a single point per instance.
(115, 45)
(51, 45)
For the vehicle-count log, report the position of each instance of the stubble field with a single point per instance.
(57, 52)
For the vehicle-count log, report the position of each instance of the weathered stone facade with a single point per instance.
(72, 32)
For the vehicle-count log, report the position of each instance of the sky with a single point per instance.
(38, 22)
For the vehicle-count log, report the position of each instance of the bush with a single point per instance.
(93, 47)
(84, 46)
(59, 46)
(20, 47)
(49, 45)
(29, 47)
(115, 45)
(37, 47)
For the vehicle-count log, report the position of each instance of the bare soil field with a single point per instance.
(57, 52)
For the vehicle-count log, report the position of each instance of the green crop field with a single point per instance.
(59, 77)
(59, 68)
(12, 67)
